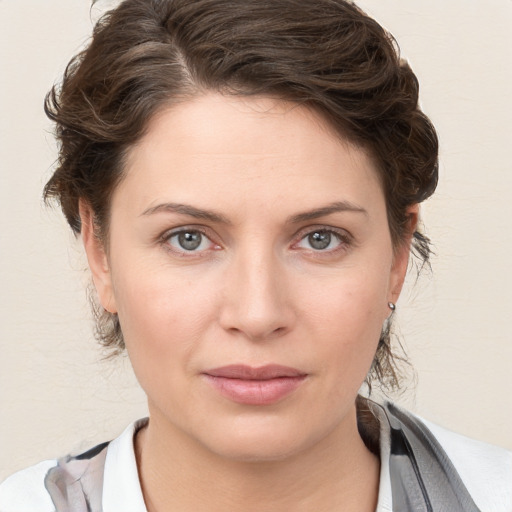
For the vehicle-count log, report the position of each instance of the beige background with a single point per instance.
(55, 393)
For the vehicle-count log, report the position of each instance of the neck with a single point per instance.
(337, 473)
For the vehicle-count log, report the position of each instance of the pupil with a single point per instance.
(190, 240)
(320, 239)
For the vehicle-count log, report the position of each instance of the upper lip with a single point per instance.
(244, 372)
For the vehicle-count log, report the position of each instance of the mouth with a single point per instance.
(249, 385)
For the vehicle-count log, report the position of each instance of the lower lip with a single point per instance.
(255, 392)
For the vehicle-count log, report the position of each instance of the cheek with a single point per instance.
(347, 315)
(162, 314)
(355, 297)
(164, 322)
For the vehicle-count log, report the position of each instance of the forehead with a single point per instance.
(257, 148)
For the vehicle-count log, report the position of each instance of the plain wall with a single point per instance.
(56, 393)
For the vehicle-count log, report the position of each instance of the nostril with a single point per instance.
(258, 334)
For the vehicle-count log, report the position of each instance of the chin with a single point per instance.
(261, 441)
(258, 448)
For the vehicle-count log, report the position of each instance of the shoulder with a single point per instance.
(68, 483)
(103, 478)
(473, 470)
(25, 491)
(486, 470)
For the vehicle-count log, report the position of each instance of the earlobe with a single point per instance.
(97, 258)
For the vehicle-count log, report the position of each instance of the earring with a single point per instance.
(392, 306)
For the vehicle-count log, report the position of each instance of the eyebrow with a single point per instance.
(212, 216)
(338, 206)
(186, 209)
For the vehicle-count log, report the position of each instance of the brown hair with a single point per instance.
(325, 54)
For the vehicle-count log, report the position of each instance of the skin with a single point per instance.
(255, 292)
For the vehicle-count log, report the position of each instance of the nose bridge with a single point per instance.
(256, 302)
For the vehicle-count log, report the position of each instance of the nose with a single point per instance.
(256, 299)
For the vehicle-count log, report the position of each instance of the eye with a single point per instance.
(322, 240)
(189, 240)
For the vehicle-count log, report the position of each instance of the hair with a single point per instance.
(327, 55)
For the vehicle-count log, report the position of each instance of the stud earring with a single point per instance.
(392, 306)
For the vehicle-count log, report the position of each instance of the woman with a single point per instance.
(245, 178)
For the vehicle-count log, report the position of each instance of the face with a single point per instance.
(251, 266)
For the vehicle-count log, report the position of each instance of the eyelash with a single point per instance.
(344, 239)
(168, 235)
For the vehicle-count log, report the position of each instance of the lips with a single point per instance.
(249, 385)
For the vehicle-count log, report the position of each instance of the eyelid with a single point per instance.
(343, 235)
(164, 238)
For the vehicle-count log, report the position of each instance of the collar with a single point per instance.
(121, 484)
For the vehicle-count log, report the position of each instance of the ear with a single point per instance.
(401, 256)
(97, 258)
